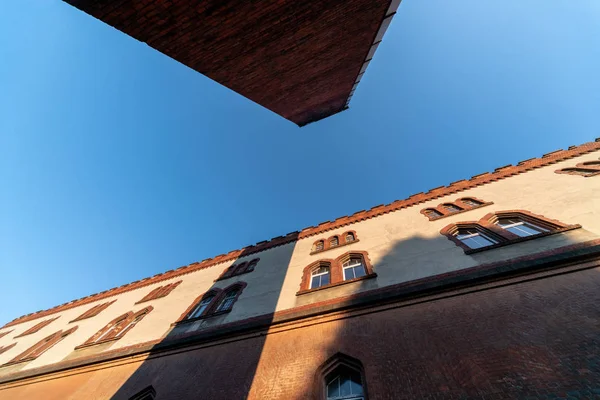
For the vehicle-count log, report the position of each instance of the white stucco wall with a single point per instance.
(402, 245)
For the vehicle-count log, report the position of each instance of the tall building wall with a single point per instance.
(403, 247)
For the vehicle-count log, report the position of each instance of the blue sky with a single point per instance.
(117, 162)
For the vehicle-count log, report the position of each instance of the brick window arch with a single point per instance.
(40, 347)
(117, 328)
(4, 349)
(214, 302)
(348, 267)
(239, 269)
(585, 169)
(159, 292)
(460, 205)
(92, 312)
(334, 242)
(502, 228)
(148, 393)
(37, 327)
(341, 377)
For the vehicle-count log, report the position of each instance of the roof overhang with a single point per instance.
(300, 59)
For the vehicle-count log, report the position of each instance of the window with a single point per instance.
(327, 272)
(519, 227)
(159, 292)
(147, 393)
(353, 268)
(4, 349)
(588, 168)
(252, 265)
(238, 269)
(319, 277)
(340, 378)
(92, 312)
(350, 237)
(2, 334)
(334, 241)
(214, 302)
(471, 202)
(344, 383)
(431, 213)
(40, 347)
(502, 228)
(451, 208)
(117, 328)
(320, 245)
(474, 239)
(36, 328)
(201, 307)
(227, 302)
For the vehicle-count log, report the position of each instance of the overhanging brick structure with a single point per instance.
(300, 59)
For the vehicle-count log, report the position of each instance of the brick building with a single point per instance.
(487, 288)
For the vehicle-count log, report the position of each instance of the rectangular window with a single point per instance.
(475, 239)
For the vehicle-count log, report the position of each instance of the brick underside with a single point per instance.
(299, 59)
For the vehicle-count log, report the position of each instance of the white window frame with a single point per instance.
(519, 223)
(202, 306)
(463, 236)
(228, 299)
(312, 275)
(345, 267)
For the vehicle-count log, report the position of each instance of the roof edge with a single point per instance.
(413, 200)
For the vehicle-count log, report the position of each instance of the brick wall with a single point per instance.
(537, 339)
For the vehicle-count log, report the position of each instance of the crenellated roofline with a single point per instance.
(454, 187)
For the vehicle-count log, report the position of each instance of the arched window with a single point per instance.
(200, 309)
(353, 268)
(432, 213)
(319, 245)
(520, 227)
(473, 238)
(118, 327)
(227, 302)
(471, 202)
(240, 269)
(451, 208)
(344, 383)
(591, 163)
(350, 237)
(40, 347)
(334, 241)
(579, 171)
(320, 277)
(252, 265)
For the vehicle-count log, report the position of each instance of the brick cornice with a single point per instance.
(455, 187)
(566, 259)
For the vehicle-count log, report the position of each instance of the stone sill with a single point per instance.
(85, 345)
(362, 278)
(523, 239)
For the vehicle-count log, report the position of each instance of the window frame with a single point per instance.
(40, 347)
(312, 275)
(329, 367)
(211, 310)
(159, 292)
(342, 240)
(117, 328)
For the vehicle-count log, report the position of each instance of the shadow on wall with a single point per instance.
(502, 342)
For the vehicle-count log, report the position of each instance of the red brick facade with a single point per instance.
(532, 338)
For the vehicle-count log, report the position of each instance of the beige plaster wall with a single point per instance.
(403, 246)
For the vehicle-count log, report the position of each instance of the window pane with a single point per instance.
(356, 383)
(324, 280)
(348, 274)
(315, 282)
(333, 389)
(345, 387)
(359, 271)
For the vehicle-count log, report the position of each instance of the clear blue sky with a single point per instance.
(117, 162)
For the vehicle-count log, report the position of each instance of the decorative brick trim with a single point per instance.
(571, 258)
(342, 241)
(459, 203)
(329, 366)
(336, 275)
(419, 198)
(159, 292)
(92, 312)
(2, 334)
(4, 349)
(36, 327)
(238, 269)
(123, 325)
(487, 226)
(210, 311)
(585, 169)
(40, 347)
